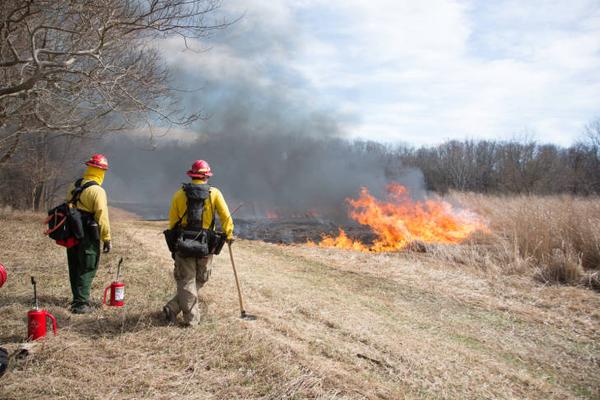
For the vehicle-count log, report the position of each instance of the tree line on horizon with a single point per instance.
(510, 167)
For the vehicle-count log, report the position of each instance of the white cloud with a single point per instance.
(420, 71)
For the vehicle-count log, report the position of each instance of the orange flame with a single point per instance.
(401, 220)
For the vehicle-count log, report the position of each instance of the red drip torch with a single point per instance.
(36, 319)
(117, 290)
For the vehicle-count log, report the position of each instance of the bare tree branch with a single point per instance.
(79, 67)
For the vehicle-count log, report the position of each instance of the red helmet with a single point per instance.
(200, 169)
(98, 161)
(2, 275)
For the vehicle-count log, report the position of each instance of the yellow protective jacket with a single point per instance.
(93, 200)
(217, 202)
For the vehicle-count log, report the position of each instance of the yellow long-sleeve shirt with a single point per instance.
(94, 201)
(215, 202)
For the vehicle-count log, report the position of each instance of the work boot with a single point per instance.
(82, 309)
(170, 316)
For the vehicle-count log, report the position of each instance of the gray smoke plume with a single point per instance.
(272, 145)
(278, 173)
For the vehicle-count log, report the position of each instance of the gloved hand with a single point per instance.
(230, 240)
(107, 247)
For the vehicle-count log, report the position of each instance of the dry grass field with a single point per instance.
(332, 324)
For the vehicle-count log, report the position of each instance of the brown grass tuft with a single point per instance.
(592, 280)
(560, 268)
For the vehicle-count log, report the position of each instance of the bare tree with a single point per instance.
(75, 67)
(592, 133)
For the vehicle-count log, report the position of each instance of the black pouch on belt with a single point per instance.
(90, 226)
(93, 230)
(216, 241)
(193, 244)
(172, 237)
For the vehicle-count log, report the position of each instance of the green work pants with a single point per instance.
(83, 264)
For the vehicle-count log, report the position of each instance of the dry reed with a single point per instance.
(557, 238)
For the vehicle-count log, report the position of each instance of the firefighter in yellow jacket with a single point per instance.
(193, 209)
(83, 258)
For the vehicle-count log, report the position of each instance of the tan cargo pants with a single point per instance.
(191, 273)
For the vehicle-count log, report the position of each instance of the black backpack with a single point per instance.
(194, 240)
(65, 221)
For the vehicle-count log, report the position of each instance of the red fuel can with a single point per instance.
(3, 275)
(36, 324)
(117, 294)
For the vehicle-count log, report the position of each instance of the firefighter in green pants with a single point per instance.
(83, 258)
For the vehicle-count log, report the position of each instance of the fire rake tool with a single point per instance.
(36, 318)
(243, 315)
(117, 290)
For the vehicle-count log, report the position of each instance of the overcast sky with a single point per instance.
(418, 72)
